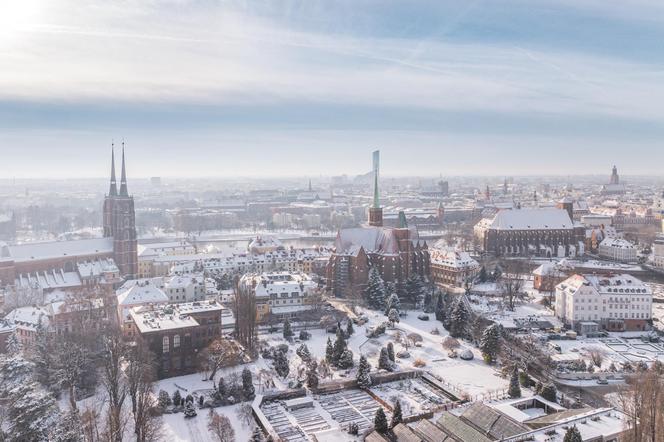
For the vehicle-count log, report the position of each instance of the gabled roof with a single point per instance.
(531, 219)
(460, 430)
(492, 422)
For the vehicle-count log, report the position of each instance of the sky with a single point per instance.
(311, 87)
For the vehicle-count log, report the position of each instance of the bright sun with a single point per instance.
(15, 15)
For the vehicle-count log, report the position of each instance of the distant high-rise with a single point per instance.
(120, 222)
(375, 211)
(615, 179)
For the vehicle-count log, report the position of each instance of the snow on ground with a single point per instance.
(178, 429)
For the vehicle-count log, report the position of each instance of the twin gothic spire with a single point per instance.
(123, 176)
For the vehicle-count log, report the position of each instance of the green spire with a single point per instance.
(402, 220)
(376, 198)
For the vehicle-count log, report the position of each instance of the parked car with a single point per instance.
(602, 381)
(423, 317)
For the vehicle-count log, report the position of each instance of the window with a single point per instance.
(176, 341)
(165, 345)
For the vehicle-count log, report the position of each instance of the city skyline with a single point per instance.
(205, 88)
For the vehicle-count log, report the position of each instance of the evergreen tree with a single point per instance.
(390, 351)
(43, 355)
(312, 375)
(288, 332)
(222, 390)
(281, 364)
(363, 374)
(413, 288)
(349, 328)
(573, 435)
(339, 345)
(177, 398)
(380, 421)
(549, 392)
(13, 345)
(374, 294)
(164, 399)
(459, 320)
(515, 389)
(329, 352)
(482, 276)
(257, 435)
(67, 429)
(32, 413)
(490, 343)
(384, 360)
(346, 359)
(189, 410)
(247, 384)
(440, 308)
(393, 317)
(304, 353)
(397, 417)
(392, 302)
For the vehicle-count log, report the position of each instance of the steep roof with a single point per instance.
(531, 219)
(57, 249)
(371, 239)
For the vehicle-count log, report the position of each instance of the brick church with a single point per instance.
(120, 222)
(396, 252)
(58, 264)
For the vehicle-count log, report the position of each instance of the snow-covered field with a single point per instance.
(178, 429)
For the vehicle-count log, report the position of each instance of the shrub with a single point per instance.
(419, 363)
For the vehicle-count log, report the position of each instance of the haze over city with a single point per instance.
(271, 88)
(331, 221)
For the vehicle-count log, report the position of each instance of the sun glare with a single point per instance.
(16, 15)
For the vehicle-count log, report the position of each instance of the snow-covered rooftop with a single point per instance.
(171, 316)
(142, 293)
(531, 219)
(452, 258)
(56, 249)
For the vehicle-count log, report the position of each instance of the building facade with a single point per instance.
(281, 295)
(615, 302)
(618, 249)
(177, 333)
(120, 222)
(451, 267)
(545, 232)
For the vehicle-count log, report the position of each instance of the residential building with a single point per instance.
(176, 333)
(450, 267)
(618, 249)
(281, 295)
(658, 252)
(615, 302)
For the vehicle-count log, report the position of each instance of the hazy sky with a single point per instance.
(281, 87)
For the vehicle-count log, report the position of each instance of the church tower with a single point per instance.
(120, 222)
(375, 211)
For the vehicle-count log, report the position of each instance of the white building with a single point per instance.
(617, 249)
(283, 294)
(138, 293)
(452, 267)
(616, 302)
(658, 252)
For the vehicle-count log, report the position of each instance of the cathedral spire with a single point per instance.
(113, 191)
(123, 176)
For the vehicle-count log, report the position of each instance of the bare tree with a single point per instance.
(114, 384)
(597, 356)
(245, 413)
(244, 308)
(220, 427)
(141, 372)
(511, 283)
(642, 401)
(221, 352)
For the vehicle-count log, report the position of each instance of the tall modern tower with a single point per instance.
(375, 211)
(120, 222)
